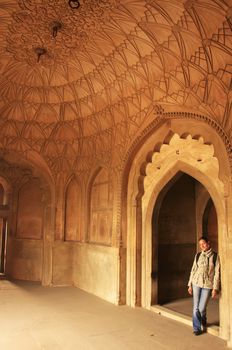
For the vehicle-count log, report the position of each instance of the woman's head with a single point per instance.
(204, 243)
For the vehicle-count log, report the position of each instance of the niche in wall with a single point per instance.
(30, 211)
(101, 203)
(72, 212)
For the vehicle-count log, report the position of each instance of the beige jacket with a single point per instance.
(203, 273)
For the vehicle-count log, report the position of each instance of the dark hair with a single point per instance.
(203, 238)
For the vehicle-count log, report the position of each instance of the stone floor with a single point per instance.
(66, 318)
(181, 310)
(184, 306)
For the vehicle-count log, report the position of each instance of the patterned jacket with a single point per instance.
(204, 273)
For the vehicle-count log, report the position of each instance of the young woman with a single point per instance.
(204, 282)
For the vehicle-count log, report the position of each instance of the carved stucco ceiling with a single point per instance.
(98, 80)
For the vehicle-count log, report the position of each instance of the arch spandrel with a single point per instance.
(187, 155)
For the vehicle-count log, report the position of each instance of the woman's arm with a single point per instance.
(216, 279)
(193, 269)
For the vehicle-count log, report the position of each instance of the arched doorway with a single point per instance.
(174, 237)
(26, 226)
(146, 181)
(175, 242)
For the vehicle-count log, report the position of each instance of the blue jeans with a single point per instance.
(200, 300)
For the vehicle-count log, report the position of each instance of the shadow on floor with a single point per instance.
(184, 306)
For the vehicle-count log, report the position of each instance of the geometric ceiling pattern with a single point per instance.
(78, 82)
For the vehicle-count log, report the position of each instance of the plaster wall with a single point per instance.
(62, 263)
(96, 270)
(24, 259)
(30, 211)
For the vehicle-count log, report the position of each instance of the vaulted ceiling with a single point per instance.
(78, 82)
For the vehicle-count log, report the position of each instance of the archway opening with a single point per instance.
(183, 212)
(25, 225)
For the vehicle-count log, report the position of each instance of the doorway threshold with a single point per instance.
(179, 317)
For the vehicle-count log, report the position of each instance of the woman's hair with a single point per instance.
(203, 238)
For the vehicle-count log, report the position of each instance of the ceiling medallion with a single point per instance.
(74, 4)
(61, 27)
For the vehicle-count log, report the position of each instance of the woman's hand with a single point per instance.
(190, 290)
(214, 293)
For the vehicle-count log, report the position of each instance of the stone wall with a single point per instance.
(96, 270)
(24, 259)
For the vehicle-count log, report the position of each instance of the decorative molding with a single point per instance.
(211, 122)
(15, 174)
(18, 175)
(163, 117)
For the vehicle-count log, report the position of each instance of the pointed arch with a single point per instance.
(72, 215)
(100, 207)
(30, 211)
(193, 150)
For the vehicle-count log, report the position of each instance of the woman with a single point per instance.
(204, 282)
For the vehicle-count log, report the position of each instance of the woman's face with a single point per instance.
(204, 246)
